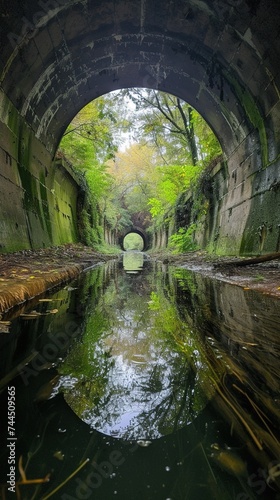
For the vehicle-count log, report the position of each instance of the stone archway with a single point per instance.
(133, 229)
(221, 57)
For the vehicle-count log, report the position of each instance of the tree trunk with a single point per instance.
(248, 262)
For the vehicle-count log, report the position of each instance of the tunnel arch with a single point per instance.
(137, 230)
(69, 53)
(221, 57)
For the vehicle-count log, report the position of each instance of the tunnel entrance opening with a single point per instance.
(134, 238)
(133, 241)
(138, 149)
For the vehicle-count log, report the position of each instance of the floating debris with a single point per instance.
(46, 390)
(138, 359)
(31, 315)
(36, 314)
(66, 480)
(229, 461)
(144, 443)
(59, 455)
(5, 326)
(47, 300)
(45, 366)
(273, 473)
(24, 479)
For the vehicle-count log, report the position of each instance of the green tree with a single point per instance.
(171, 144)
(175, 128)
(133, 171)
(88, 143)
(170, 182)
(90, 136)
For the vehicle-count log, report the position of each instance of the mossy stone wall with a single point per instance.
(38, 197)
(235, 209)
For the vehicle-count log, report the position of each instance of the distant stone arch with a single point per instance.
(137, 230)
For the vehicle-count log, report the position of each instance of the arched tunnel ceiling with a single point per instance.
(220, 56)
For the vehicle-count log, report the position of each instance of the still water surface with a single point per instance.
(143, 382)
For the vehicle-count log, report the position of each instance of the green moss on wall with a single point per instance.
(41, 207)
(261, 234)
(253, 114)
(13, 119)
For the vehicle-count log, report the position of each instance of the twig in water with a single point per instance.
(247, 427)
(66, 480)
(258, 411)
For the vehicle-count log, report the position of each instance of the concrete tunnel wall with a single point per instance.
(38, 197)
(220, 56)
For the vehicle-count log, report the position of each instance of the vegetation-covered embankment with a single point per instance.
(26, 274)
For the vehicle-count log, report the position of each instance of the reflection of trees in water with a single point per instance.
(130, 379)
(173, 411)
(165, 398)
(86, 390)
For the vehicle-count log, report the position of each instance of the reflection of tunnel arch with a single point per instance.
(221, 57)
(143, 234)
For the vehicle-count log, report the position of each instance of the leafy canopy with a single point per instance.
(138, 149)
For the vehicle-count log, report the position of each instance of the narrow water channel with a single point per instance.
(140, 381)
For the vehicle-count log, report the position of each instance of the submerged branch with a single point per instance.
(242, 420)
